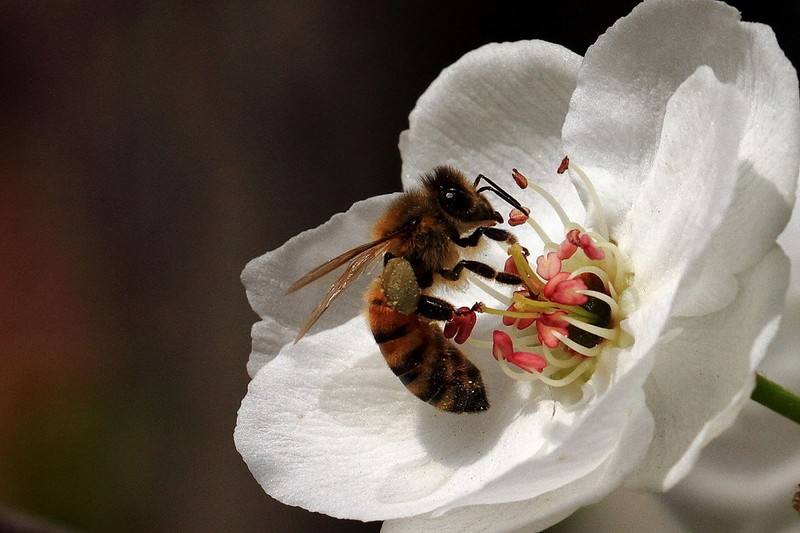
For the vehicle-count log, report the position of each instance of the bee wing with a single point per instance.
(351, 273)
(338, 261)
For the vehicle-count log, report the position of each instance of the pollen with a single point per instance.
(566, 314)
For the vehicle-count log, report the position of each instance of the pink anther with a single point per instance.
(564, 165)
(459, 328)
(519, 178)
(517, 217)
(549, 323)
(503, 348)
(548, 265)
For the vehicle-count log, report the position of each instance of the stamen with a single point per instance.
(560, 363)
(522, 301)
(497, 295)
(605, 333)
(515, 250)
(516, 374)
(600, 273)
(522, 181)
(517, 217)
(480, 343)
(549, 199)
(504, 312)
(561, 382)
(583, 350)
(612, 303)
(539, 231)
(618, 261)
(602, 228)
(569, 378)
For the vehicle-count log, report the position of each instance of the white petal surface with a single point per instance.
(711, 362)
(267, 277)
(703, 123)
(498, 107)
(309, 408)
(541, 512)
(688, 189)
(744, 479)
(617, 111)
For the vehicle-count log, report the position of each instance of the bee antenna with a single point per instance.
(493, 187)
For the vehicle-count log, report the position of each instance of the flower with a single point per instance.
(686, 121)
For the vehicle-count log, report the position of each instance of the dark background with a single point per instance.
(148, 151)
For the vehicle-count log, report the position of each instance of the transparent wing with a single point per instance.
(359, 263)
(338, 261)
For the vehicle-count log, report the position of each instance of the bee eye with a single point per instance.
(454, 200)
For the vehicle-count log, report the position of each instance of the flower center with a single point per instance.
(568, 310)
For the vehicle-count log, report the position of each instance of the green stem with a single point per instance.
(782, 401)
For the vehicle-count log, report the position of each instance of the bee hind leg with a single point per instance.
(435, 308)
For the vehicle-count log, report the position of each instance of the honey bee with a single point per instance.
(418, 238)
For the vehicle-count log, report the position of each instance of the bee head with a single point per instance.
(459, 199)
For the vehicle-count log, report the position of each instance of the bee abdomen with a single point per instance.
(430, 366)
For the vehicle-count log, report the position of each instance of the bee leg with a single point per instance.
(481, 269)
(388, 256)
(435, 308)
(474, 238)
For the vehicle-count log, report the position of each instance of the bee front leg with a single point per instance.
(481, 269)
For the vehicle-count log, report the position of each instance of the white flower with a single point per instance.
(686, 120)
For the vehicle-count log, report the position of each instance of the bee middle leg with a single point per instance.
(481, 269)
(496, 234)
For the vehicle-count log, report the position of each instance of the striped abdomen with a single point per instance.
(430, 366)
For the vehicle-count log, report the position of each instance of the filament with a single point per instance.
(497, 295)
(540, 231)
(553, 203)
(600, 273)
(583, 350)
(560, 363)
(605, 333)
(598, 207)
(612, 303)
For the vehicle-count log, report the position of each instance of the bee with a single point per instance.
(419, 238)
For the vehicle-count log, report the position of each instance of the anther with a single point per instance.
(517, 217)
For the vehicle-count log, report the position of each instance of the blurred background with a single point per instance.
(148, 151)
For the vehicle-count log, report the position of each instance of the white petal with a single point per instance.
(538, 513)
(498, 107)
(704, 375)
(267, 277)
(327, 426)
(627, 78)
(688, 188)
(790, 242)
(625, 510)
(745, 478)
